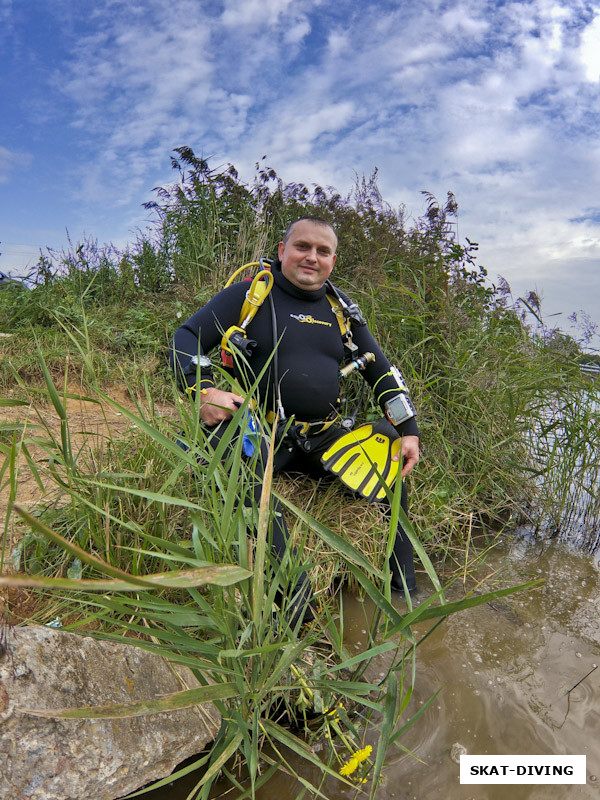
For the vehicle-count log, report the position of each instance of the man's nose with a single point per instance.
(312, 254)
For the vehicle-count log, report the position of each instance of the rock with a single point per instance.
(51, 759)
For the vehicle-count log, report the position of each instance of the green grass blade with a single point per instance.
(420, 614)
(286, 738)
(102, 566)
(376, 596)
(52, 391)
(367, 655)
(177, 579)
(221, 753)
(143, 708)
(154, 497)
(387, 726)
(401, 731)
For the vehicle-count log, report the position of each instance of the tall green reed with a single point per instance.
(175, 557)
(567, 446)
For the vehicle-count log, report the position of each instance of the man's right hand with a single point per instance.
(216, 405)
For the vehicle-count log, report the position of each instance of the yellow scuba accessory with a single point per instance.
(362, 460)
(236, 335)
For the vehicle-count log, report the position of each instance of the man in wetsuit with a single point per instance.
(308, 359)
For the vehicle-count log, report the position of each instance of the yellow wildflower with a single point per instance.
(362, 755)
(355, 759)
(349, 767)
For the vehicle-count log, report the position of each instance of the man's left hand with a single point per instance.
(409, 453)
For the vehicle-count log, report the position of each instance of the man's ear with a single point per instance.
(280, 250)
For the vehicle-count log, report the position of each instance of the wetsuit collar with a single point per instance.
(289, 288)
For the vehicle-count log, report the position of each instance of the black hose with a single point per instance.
(278, 403)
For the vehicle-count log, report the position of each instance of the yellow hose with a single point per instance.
(241, 269)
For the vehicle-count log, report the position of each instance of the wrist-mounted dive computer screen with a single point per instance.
(399, 409)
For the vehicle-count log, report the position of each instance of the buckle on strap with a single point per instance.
(306, 428)
(312, 428)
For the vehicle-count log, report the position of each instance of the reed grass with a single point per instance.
(567, 437)
(165, 544)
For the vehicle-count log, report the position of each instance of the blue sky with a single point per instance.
(497, 102)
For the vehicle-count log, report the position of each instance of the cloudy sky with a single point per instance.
(496, 101)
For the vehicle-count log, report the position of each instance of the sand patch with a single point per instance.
(91, 426)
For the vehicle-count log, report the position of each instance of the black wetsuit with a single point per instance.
(309, 355)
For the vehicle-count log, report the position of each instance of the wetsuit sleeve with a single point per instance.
(379, 377)
(202, 332)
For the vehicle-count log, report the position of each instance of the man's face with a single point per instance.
(308, 256)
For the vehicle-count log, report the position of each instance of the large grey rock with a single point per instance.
(50, 759)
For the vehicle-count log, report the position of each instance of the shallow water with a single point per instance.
(508, 672)
(518, 677)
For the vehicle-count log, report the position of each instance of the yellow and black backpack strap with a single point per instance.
(346, 313)
(343, 323)
(260, 287)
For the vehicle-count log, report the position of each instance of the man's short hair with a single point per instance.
(315, 220)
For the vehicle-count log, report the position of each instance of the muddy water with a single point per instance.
(518, 676)
(514, 683)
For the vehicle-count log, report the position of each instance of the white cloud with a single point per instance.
(421, 53)
(297, 31)
(589, 51)
(241, 13)
(338, 42)
(294, 137)
(144, 73)
(231, 111)
(151, 75)
(464, 19)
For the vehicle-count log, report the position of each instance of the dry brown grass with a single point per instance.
(361, 524)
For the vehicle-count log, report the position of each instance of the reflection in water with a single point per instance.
(518, 677)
